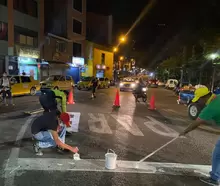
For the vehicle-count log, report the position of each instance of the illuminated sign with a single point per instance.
(78, 61)
(27, 52)
(103, 67)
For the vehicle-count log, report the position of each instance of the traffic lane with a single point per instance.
(199, 141)
(93, 144)
(9, 132)
(22, 103)
(132, 138)
(166, 101)
(36, 178)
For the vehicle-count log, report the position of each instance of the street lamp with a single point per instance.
(115, 49)
(122, 39)
(213, 57)
(121, 58)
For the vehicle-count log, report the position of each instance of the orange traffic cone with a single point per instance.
(70, 98)
(117, 100)
(152, 103)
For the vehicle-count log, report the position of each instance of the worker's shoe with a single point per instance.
(37, 150)
(210, 181)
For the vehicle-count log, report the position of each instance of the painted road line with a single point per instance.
(98, 124)
(11, 165)
(91, 165)
(127, 122)
(160, 128)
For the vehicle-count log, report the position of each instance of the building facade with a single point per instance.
(21, 35)
(99, 61)
(99, 28)
(99, 55)
(65, 31)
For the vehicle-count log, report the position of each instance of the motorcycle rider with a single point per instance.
(6, 91)
(95, 83)
(211, 112)
(138, 88)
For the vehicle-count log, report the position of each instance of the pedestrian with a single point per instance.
(48, 131)
(49, 99)
(23, 73)
(95, 83)
(6, 89)
(210, 112)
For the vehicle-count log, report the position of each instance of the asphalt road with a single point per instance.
(132, 132)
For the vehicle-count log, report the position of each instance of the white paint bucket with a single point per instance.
(110, 159)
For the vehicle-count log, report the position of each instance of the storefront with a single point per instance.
(76, 68)
(100, 71)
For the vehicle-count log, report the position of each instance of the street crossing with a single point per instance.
(101, 124)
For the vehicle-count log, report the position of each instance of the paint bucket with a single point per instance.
(110, 159)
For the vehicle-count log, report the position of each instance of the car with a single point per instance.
(171, 83)
(153, 83)
(161, 84)
(104, 83)
(58, 82)
(127, 84)
(85, 83)
(22, 85)
(194, 109)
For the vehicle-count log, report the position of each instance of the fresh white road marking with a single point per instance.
(98, 124)
(91, 165)
(11, 164)
(156, 127)
(127, 122)
(74, 118)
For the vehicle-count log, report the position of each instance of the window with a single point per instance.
(103, 59)
(68, 78)
(25, 79)
(60, 46)
(30, 41)
(26, 40)
(62, 78)
(15, 79)
(3, 31)
(77, 5)
(22, 39)
(3, 2)
(77, 26)
(77, 50)
(29, 7)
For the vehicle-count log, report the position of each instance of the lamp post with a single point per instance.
(213, 57)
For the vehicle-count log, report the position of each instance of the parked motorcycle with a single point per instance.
(142, 94)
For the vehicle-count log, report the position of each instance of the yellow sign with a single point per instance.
(27, 52)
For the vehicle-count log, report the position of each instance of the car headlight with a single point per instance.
(133, 85)
(121, 84)
(144, 89)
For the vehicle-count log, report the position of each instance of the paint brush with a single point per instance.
(151, 154)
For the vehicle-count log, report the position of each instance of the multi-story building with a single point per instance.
(99, 54)
(65, 31)
(99, 28)
(21, 35)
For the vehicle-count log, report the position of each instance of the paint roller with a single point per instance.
(151, 154)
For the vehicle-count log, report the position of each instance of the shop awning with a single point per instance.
(58, 63)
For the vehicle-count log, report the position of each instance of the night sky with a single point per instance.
(165, 27)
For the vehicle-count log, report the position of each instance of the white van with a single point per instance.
(171, 83)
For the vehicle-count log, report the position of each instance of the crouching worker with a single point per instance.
(50, 98)
(49, 131)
